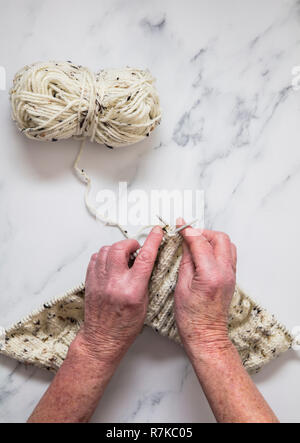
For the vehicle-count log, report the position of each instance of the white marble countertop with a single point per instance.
(230, 127)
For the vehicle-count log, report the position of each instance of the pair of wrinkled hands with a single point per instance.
(116, 294)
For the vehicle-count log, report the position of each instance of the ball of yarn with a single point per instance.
(54, 101)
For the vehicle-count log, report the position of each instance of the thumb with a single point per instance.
(144, 263)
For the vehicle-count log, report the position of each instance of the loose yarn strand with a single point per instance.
(83, 176)
(90, 207)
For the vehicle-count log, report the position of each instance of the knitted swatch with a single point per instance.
(44, 337)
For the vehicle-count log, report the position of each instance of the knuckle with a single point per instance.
(223, 236)
(108, 288)
(127, 293)
(94, 257)
(111, 288)
(134, 243)
(104, 249)
(117, 247)
(103, 254)
(120, 294)
(215, 284)
(124, 245)
(215, 281)
(131, 301)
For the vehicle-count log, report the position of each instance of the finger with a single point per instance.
(144, 263)
(221, 244)
(119, 255)
(102, 258)
(91, 266)
(180, 222)
(200, 248)
(234, 256)
(187, 268)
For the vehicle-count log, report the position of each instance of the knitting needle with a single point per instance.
(160, 219)
(182, 227)
(136, 253)
(186, 226)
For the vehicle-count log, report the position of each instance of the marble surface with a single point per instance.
(230, 127)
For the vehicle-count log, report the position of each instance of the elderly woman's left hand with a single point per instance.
(117, 296)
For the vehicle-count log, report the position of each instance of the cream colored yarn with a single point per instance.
(44, 337)
(58, 100)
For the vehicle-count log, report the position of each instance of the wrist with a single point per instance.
(97, 352)
(207, 360)
(208, 346)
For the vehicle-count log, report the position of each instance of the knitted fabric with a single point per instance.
(44, 337)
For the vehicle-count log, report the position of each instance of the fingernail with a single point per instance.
(179, 221)
(157, 230)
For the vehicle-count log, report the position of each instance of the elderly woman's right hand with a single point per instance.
(204, 290)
